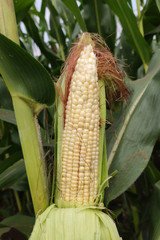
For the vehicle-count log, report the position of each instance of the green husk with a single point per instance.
(74, 224)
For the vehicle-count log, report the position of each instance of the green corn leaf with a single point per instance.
(33, 31)
(56, 29)
(20, 222)
(8, 116)
(67, 16)
(72, 5)
(151, 229)
(3, 149)
(5, 97)
(130, 27)
(96, 14)
(24, 76)
(151, 23)
(5, 163)
(158, 4)
(131, 140)
(22, 7)
(12, 174)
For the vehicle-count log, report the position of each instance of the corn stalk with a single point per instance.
(25, 106)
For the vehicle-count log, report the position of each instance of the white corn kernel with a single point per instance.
(81, 132)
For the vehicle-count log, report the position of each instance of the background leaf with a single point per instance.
(21, 8)
(34, 33)
(12, 174)
(131, 141)
(151, 18)
(20, 222)
(56, 29)
(152, 230)
(5, 97)
(96, 14)
(23, 75)
(72, 5)
(8, 116)
(132, 33)
(158, 4)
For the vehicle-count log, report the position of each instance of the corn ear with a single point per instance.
(81, 134)
(81, 164)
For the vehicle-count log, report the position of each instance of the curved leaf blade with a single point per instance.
(24, 76)
(22, 7)
(56, 29)
(7, 116)
(158, 4)
(7, 162)
(96, 14)
(12, 174)
(33, 31)
(131, 140)
(72, 5)
(20, 222)
(153, 213)
(129, 23)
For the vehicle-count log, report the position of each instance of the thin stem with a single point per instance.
(140, 25)
(97, 17)
(33, 155)
(26, 122)
(18, 201)
(140, 21)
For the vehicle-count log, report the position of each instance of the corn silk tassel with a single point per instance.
(78, 212)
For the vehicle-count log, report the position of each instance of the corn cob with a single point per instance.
(81, 153)
(80, 145)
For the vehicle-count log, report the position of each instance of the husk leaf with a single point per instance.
(74, 224)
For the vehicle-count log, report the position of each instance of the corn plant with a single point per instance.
(92, 165)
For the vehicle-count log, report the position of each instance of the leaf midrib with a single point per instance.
(126, 121)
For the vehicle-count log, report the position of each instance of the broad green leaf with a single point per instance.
(100, 19)
(24, 76)
(12, 174)
(8, 116)
(131, 140)
(130, 27)
(72, 5)
(21, 8)
(20, 222)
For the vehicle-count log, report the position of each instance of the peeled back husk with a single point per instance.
(85, 223)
